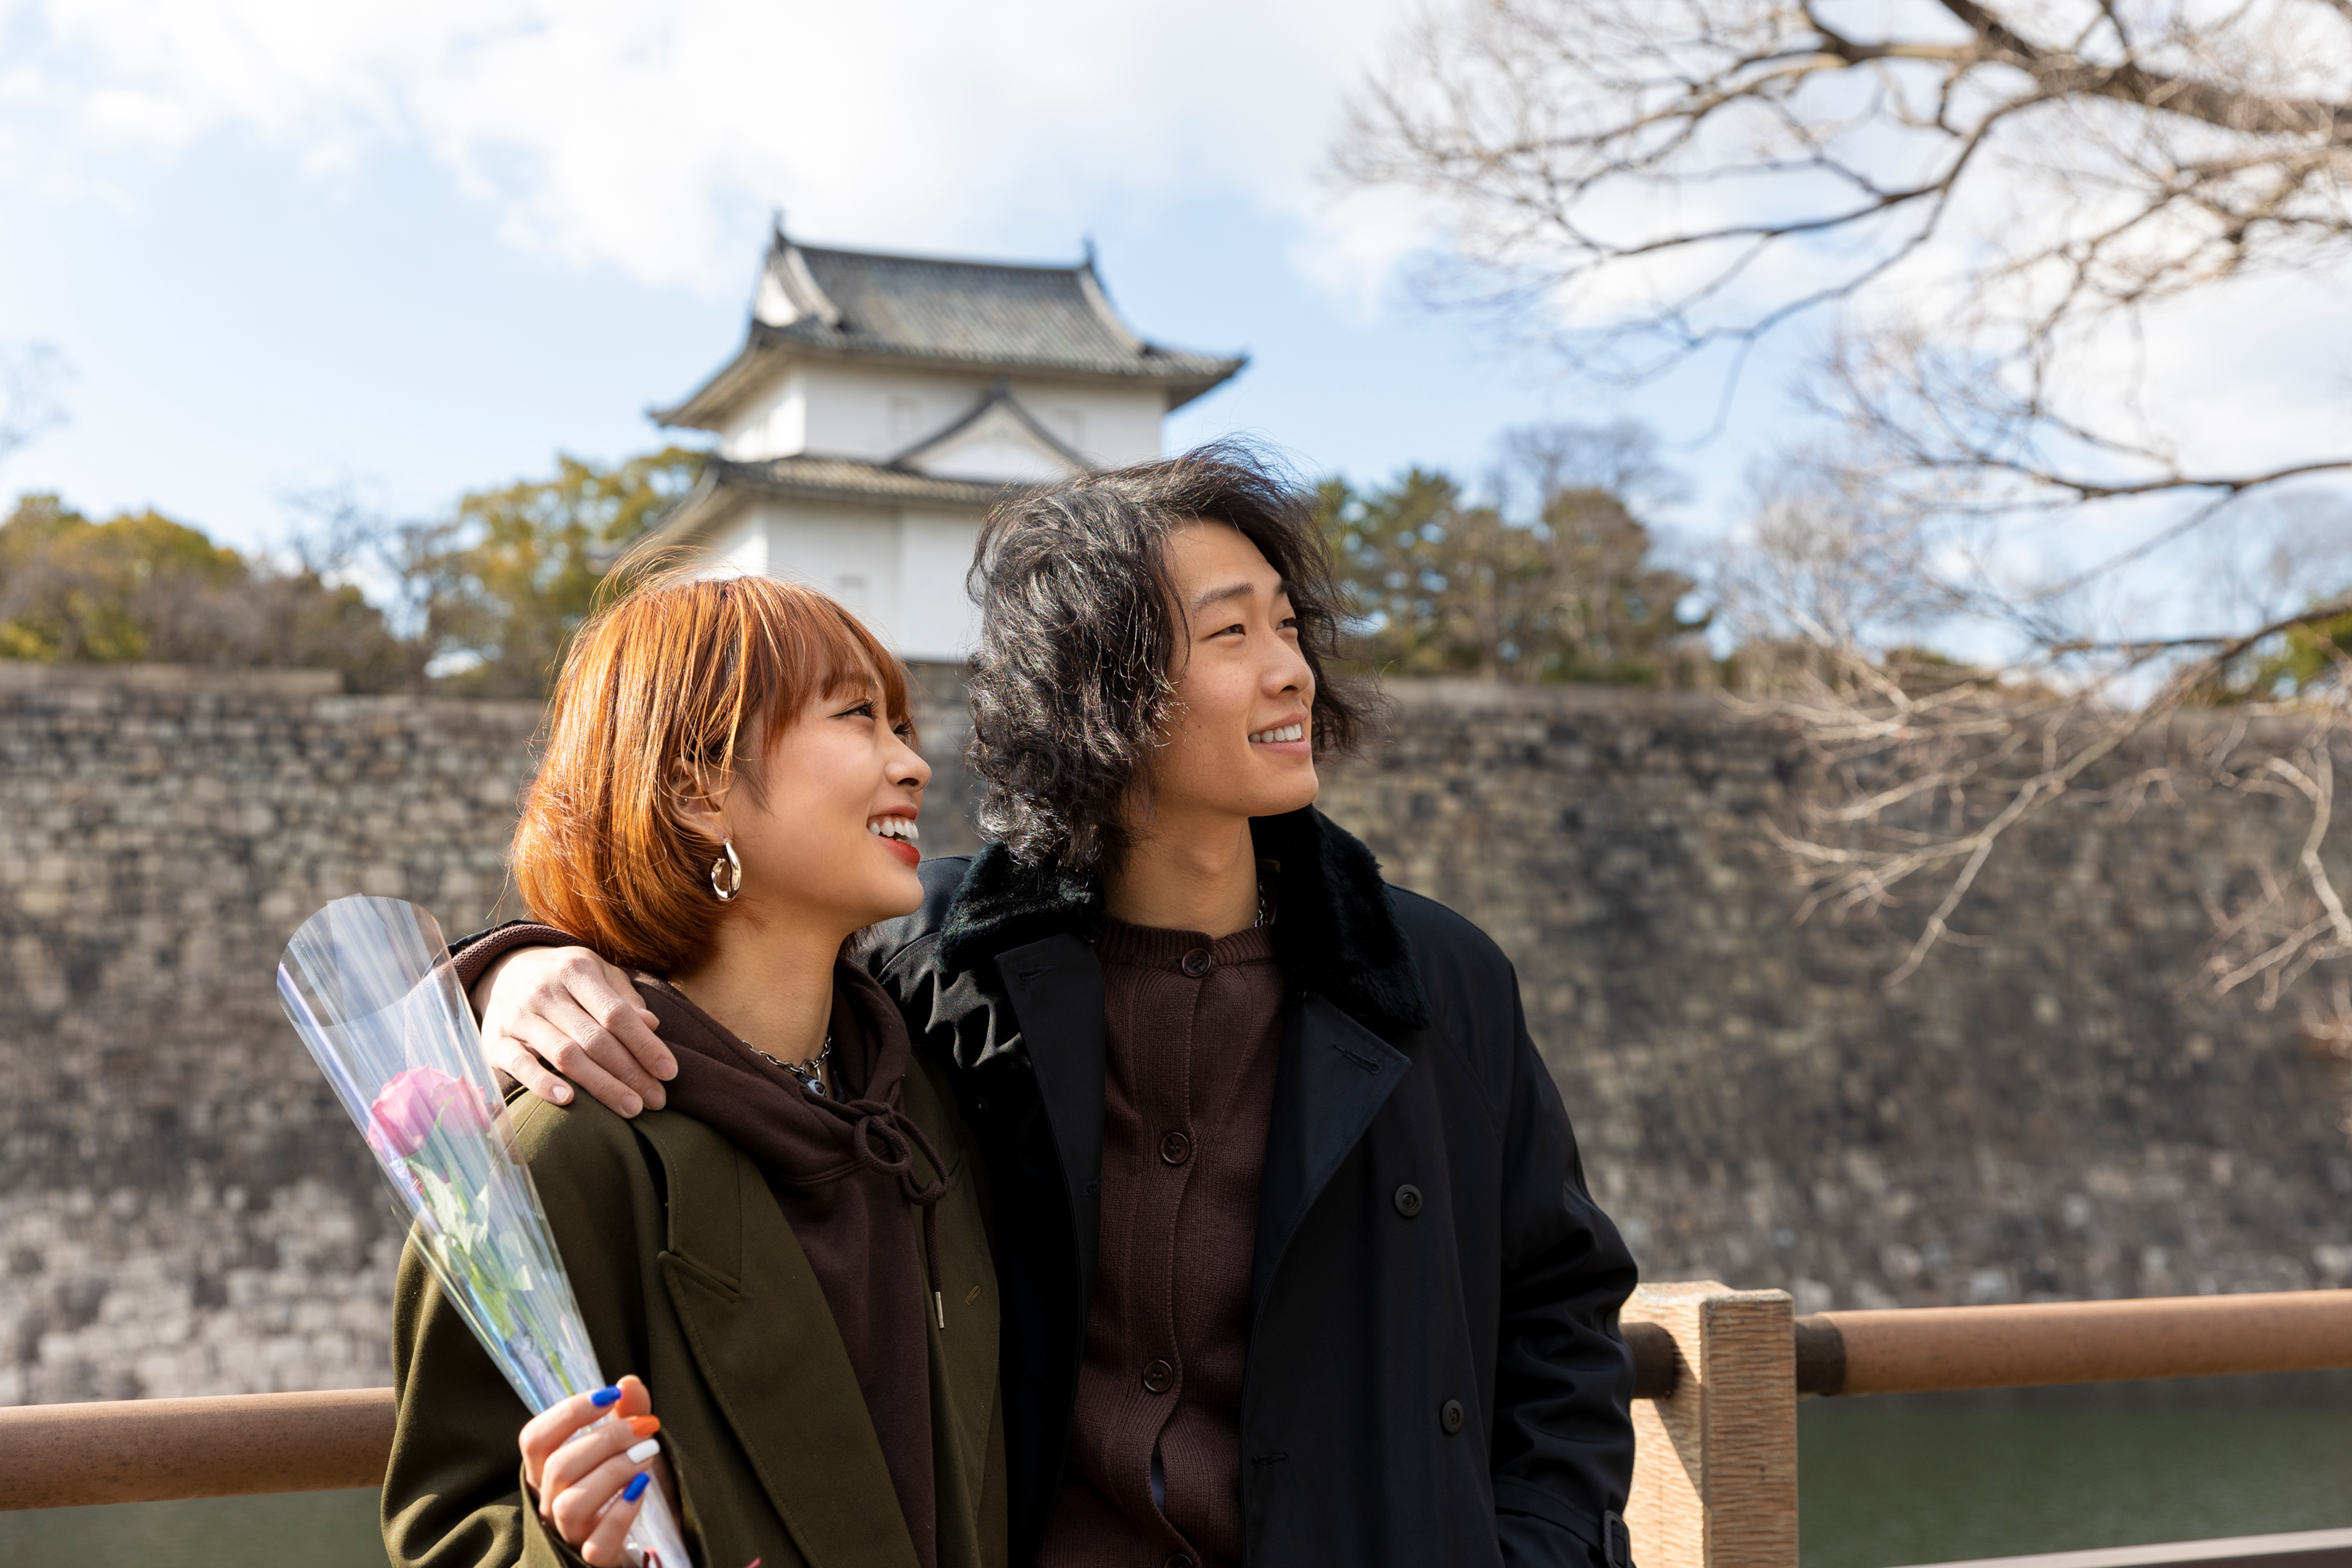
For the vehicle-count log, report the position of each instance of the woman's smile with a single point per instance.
(897, 833)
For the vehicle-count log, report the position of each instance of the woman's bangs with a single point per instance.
(830, 652)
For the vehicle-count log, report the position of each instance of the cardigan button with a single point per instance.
(1175, 1148)
(1197, 962)
(1449, 1416)
(1408, 1200)
(1159, 1377)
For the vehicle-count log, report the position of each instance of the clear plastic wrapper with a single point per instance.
(369, 985)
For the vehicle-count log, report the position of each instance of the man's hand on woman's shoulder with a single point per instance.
(553, 1014)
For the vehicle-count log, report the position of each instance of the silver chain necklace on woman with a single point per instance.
(809, 1074)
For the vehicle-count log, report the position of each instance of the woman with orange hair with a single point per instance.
(787, 1262)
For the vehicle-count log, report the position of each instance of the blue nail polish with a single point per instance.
(636, 1487)
(604, 1396)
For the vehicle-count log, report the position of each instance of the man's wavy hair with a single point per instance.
(1070, 687)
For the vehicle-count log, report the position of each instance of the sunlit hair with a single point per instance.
(1070, 687)
(678, 685)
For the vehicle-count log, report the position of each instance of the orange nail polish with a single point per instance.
(644, 1426)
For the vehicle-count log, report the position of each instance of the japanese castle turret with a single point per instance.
(882, 404)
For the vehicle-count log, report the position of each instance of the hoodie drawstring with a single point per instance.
(875, 1121)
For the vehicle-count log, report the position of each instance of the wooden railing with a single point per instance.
(154, 1450)
(1717, 1374)
(1714, 1468)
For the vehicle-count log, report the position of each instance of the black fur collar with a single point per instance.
(1337, 932)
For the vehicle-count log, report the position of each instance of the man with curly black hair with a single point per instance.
(1298, 1261)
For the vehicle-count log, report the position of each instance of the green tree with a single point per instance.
(2302, 661)
(1612, 611)
(72, 589)
(481, 601)
(511, 575)
(142, 587)
(1444, 586)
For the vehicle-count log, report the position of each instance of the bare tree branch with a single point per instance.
(1980, 205)
(1566, 137)
(1537, 120)
(1929, 765)
(30, 377)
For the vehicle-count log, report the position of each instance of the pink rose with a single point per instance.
(413, 1104)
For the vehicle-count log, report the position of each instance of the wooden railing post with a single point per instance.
(1715, 1464)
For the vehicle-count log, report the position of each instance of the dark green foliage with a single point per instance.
(1449, 586)
(2300, 662)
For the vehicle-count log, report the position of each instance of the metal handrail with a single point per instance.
(146, 1450)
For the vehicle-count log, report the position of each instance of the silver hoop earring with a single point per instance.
(731, 868)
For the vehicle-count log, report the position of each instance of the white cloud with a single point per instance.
(637, 136)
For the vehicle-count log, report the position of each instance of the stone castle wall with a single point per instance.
(183, 1209)
(2047, 1109)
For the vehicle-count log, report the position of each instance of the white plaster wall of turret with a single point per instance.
(937, 621)
(899, 570)
(861, 410)
(849, 551)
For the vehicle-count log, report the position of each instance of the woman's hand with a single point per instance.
(551, 1011)
(590, 1490)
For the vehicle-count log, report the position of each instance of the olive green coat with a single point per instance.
(708, 1298)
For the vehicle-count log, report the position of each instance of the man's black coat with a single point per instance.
(1434, 1371)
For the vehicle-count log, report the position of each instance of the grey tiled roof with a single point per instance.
(988, 314)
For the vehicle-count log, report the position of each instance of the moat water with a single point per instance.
(1883, 1482)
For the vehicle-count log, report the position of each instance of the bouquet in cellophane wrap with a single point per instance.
(370, 986)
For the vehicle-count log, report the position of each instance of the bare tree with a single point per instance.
(1543, 462)
(484, 598)
(30, 375)
(1976, 211)
(1931, 763)
(1824, 564)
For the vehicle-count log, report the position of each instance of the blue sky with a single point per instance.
(420, 248)
(282, 252)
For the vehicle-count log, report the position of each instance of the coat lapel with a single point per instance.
(765, 1337)
(1056, 989)
(1335, 1076)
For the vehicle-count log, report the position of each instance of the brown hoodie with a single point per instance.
(843, 1170)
